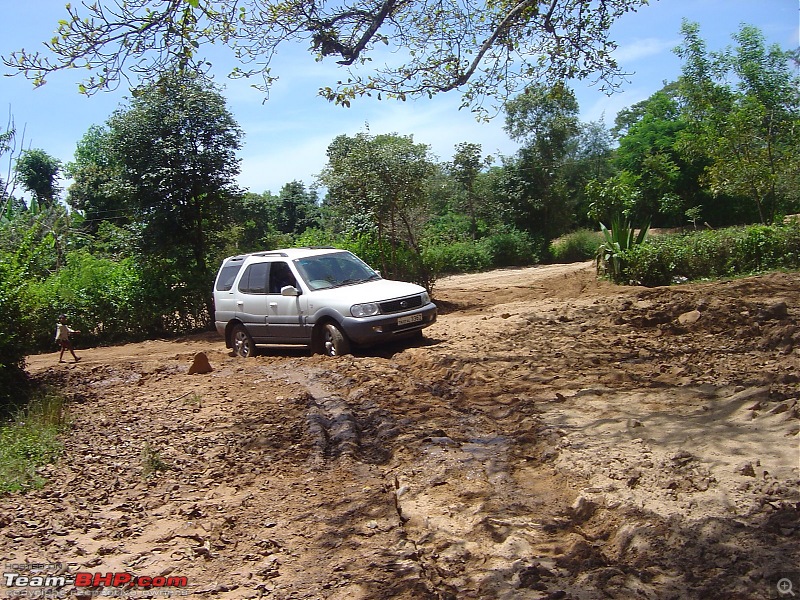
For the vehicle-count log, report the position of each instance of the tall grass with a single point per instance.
(30, 440)
(577, 246)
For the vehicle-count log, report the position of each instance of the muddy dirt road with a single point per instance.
(553, 437)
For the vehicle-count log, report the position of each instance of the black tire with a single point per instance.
(334, 341)
(243, 344)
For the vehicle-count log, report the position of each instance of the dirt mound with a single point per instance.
(554, 436)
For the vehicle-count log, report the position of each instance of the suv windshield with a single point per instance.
(334, 270)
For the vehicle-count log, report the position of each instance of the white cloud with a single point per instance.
(597, 107)
(642, 48)
(279, 150)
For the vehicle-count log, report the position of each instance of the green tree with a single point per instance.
(296, 208)
(484, 49)
(588, 157)
(466, 166)
(38, 173)
(614, 198)
(545, 120)
(381, 180)
(749, 129)
(7, 139)
(665, 177)
(253, 223)
(96, 189)
(175, 145)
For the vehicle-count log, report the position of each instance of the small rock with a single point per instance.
(746, 469)
(682, 457)
(781, 408)
(200, 364)
(776, 312)
(583, 509)
(689, 318)
(442, 441)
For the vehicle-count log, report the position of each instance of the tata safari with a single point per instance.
(324, 298)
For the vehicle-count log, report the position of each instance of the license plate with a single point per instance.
(409, 319)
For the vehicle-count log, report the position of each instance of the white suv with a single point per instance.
(324, 298)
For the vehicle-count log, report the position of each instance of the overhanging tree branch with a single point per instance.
(487, 48)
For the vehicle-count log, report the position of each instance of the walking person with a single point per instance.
(63, 331)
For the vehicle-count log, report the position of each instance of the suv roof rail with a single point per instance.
(269, 254)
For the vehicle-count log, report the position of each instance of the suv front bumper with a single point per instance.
(371, 330)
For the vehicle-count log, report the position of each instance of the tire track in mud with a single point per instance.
(333, 428)
(449, 469)
(453, 473)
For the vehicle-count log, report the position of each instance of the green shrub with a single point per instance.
(101, 297)
(511, 248)
(457, 257)
(616, 242)
(704, 254)
(315, 237)
(12, 332)
(450, 227)
(577, 246)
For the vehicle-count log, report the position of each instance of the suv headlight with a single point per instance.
(368, 309)
(425, 298)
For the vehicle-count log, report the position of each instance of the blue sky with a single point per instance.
(286, 137)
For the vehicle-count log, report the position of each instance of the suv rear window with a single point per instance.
(227, 277)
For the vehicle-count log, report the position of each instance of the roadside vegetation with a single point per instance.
(29, 440)
(129, 249)
(729, 252)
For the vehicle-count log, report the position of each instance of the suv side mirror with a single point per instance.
(289, 290)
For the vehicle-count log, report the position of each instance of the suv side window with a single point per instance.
(280, 275)
(254, 279)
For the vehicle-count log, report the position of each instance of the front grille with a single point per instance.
(401, 304)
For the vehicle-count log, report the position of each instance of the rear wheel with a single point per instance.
(334, 341)
(243, 344)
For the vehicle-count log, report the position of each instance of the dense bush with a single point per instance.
(457, 257)
(12, 346)
(13, 333)
(577, 246)
(511, 248)
(704, 254)
(101, 297)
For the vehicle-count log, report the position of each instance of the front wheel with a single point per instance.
(334, 341)
(243, 344)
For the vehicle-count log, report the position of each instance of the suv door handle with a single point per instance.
(273, 305)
